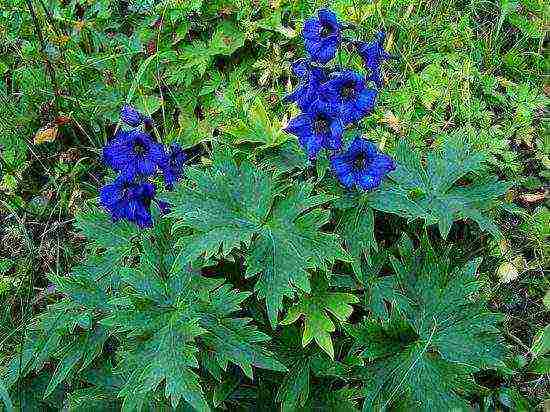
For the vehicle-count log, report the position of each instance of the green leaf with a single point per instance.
(4, 395)
(63, 368)
(541, 343)
(356, 227)
(192, 64)
(148, 104)
(294, 389)
(224, 389)
(98, 227)
(228, 206)
(234, 340)
(85, 348)
(423, 356)
(340, 400)
(289, 244)
(274, 23)
(53, 339)
(185, 8)
(431, 193)
(167, 356)
(170, 315)
(92, 399)
(224, 207)
(5, 265)
(540, 365)
(226, 39)
(257, 127)
(427, 382)
(82, 288)
(285, 158)
(192, 130)
(315, 309)
(381, 292)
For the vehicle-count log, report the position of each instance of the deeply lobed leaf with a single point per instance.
(431, 192)
(231, 206)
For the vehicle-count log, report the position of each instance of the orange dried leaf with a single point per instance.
(61, 120)
(46, 134)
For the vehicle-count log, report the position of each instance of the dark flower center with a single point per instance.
(139, 148)
(321, 125)
(360, 162)
(125, 190)
(348, 90)
(326, 30)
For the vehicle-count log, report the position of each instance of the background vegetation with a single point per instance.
(213, 73)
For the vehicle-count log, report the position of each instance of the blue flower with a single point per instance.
(131, 116)
(317, 129)
(301, 68)
(134, 153)
(173, 170)
(322, 36)
(308, 90)
(345, 95)
(164, 207)
(129, 200)
(373, 55)
(362, 165)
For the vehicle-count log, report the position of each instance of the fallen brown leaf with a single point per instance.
(46, 134)
(61, 120)
(532, 197)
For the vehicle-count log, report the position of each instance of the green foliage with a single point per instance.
(307, 364)
(315, 309)
(422, 357)
(356, 227)
(432, 192)
(536, 231)
(257, 128)
(5, 397)
(163, 314)
(217, 305)
(230, 205)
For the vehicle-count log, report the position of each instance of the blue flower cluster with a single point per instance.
(137, 157)
(333, 98)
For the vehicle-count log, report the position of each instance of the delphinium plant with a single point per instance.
(333, 98)
(190, 296)
(137, 157)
